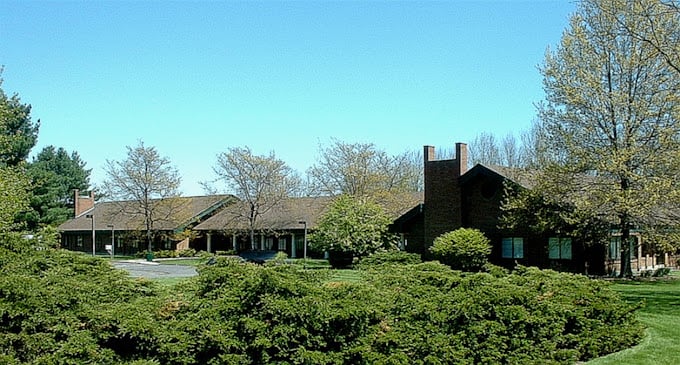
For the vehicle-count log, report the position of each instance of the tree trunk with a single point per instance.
(626, 269)
(251, 221)
(149, 246)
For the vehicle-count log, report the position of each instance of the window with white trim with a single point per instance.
(269, 243)
(282, 243)
(559, 248)
(513, 248)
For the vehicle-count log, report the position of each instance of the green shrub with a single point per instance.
(279, 259)
(646, 273)
(355, 225)
(389, 257)
(187, 252)
(65, 308)
(463, 249)
(225, 253)
(662, 271)
(60, 307)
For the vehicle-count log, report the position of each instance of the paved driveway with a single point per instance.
(155, 270)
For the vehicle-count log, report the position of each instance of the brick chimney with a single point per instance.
(83, 203)
(443, 199)
(461, 158)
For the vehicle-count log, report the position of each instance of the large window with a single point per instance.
(559, 248)
(513, 247)
(282, 244)
(615, 247)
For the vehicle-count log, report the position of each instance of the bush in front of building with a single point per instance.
(395, 257)
(68, 308)
(464, 249)
(354, 225)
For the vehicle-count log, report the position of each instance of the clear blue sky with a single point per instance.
(193, 78)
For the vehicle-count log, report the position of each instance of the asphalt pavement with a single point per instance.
(154, 270)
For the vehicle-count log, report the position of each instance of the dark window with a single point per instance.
(513, 248)
(559, 248)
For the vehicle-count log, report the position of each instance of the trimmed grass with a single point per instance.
(169, 282)
(351, 276)
(183, 262)
(661, 316)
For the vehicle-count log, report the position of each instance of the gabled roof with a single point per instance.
(284, 216)
(413, 213)
(289, 214)
(173, 214)
(519, 176)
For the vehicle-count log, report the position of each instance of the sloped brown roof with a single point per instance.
(289, 214)
(523, 177)
(284, 216)
(172, 214)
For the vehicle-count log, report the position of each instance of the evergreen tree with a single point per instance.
(18, 134)
(55, 174)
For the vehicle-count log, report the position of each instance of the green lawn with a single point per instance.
(661, 316)
(169, 282)
(345, 275)
(183, 261)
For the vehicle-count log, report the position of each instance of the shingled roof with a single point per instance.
(174, 214)
(522, 177)
(284, 216)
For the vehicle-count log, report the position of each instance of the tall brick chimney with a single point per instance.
(83, 203)
(442, 192)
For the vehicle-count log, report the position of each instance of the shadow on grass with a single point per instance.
(659, 296)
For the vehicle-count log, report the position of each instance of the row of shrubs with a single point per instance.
(60, 307)
(189, 252)
(656, 273)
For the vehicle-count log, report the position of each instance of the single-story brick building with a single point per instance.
(123, 223)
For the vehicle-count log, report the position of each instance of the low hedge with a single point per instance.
(60, 307)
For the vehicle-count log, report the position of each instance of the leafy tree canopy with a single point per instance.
(610, 118)
(150, 182)
(361, 169)
(353, 224)
(261, 182)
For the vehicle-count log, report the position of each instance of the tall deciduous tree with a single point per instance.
(261, 182)
(18, 134)
(149, 182)
(609, 119)
(508, 151)
(361, 169)
(54, 174)
(659, 26)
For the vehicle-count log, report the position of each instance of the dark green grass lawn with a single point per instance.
(661, 316)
